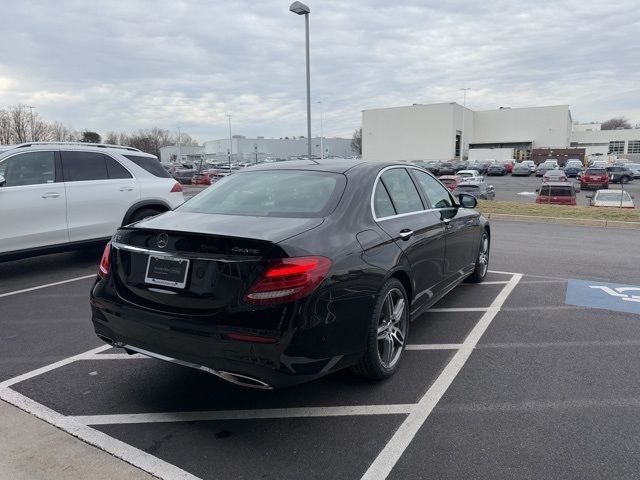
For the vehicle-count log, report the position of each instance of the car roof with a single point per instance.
(558, 184)
(335, 165)
(122, 149)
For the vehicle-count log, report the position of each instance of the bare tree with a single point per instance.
(111, 138)
(356, 141)
(5, 127)
(61, 133)
(20, 124)
(616, 123)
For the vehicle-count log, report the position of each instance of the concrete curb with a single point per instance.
(584, 222)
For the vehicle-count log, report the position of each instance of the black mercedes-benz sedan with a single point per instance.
(285, 272)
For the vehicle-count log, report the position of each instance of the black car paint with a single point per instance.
(316, 335)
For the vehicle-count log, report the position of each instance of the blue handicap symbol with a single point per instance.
(610, 296)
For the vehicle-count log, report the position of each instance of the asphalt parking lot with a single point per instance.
(523, 189)
(532, 374)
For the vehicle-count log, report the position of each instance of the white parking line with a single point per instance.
(115, 356)
(389, 456)
(8, 294)
(119, 449)
(434, 346)
(53, 366)
(303, 412)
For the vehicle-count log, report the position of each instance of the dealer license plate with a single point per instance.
(167, 271)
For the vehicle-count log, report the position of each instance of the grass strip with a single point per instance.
(559, 211)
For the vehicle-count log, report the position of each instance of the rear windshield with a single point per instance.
(612, 196)
(595, 171)
(556, 191)
(282, 193)
(150, 164)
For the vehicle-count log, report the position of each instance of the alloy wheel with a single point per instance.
(392, 328)
(483, 256)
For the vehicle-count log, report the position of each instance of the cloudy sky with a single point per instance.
(127, 64)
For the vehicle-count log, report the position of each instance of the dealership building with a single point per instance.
(440, 131)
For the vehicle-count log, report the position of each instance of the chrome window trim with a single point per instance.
(192, 256)
(400, 215)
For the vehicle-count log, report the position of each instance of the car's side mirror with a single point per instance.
(2, 181)
(467, 200)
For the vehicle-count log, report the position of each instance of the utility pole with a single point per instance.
(464, 111)
(33, 137)
(321, 136)
(179, 151)
(230, 143)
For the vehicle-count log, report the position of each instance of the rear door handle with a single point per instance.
(406, 234)
(126, 189)
(51, 195)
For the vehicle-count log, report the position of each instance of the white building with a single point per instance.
(182, 153)
(244, 148)
(434, 132)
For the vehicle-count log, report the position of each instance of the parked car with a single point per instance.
(183, 176)
(531, 164)
(521, 170)
(477, 187)
(572, 171)
(594, 178)
(469, 174)
(508, 165)
(556, 193)
(497, 169)
(57, 196)
(480, 167)
(611, 198)
(201, 178)
(430, 165)
(573, 162)
(551, 161)
(450, 181)
(544, 168)
(446, 168)
(598, 163)
(287, 262)
(635, 169)
(554, 176)
(619, 174)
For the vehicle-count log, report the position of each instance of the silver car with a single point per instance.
(478, 188)
(611, 198)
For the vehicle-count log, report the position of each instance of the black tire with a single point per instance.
(606, 187)
(482, 266)
(143, 213)
(371, 365)
(624, 179)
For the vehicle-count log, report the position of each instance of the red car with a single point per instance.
(202, 178)
(556, 193)
(450, 181)
(509, 166)
(594, 178)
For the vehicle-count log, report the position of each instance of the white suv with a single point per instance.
(58, 196)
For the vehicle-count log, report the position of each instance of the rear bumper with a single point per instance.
(299, 353)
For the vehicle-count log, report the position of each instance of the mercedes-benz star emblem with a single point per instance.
(163, 240)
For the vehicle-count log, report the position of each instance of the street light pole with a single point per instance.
(179, 151)
(230, 143)
(321, 135)
(464, 111)
(33, 139)
(300, 8)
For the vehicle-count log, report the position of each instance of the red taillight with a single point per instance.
(176, 188)
(103, 269)
(288, 279)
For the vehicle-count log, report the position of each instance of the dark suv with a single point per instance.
(619, 174)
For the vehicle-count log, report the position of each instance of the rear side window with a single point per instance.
(382, 202)
(81, 166)
(115, 170)
(402, 191)
(281, 193)
(150, 164)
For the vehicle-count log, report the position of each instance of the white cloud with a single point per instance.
(137, 64)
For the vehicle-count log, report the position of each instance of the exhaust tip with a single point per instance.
(106, 339)
(244, 380)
